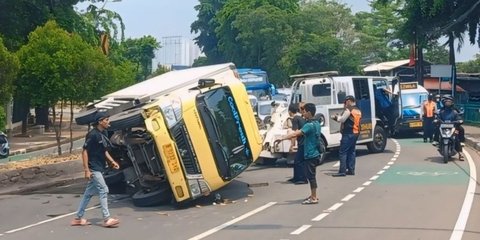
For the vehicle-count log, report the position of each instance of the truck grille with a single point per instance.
(185, 150)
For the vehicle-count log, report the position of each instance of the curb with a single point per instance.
(42, 147)
(472, 142)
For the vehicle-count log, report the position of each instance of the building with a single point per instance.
(176, 50)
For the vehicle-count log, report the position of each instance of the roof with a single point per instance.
(385, 66)
(433, 84)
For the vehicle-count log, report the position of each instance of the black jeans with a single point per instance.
(428, 127)
(298, 165)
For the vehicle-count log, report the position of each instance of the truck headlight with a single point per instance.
(172, 112)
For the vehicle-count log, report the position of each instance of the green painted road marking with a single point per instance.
(448, 174)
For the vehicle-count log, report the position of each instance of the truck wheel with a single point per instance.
(147, 198)
(323, 152)
(379, 140)
(127, 119)
(445, 153)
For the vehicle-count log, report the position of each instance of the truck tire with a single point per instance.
(379, 140)
(127, 119)
(159, 196)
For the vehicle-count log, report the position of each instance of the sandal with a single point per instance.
(111, 223)
(80, 222)
(310, 201)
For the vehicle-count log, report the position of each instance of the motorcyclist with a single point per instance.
(449, 113)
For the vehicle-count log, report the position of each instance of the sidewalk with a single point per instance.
(57, 174)
(34, 140)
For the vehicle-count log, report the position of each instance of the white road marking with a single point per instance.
(380, 172)
(348, 197)
(359, 189)
(335, 207)
(300, 229)
(320, 217)
(467, 203)
(46, 221)
(367, 183)
(337, 164)
(374, 177)
(391, 163)
(395, 156)
(233, 221)
(393, 159)
(386, 167)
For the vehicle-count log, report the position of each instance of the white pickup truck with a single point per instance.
(327, 91)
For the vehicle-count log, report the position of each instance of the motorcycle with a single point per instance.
(448, 138)
(4, 147)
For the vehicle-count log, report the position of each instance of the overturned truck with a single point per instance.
(180, 135)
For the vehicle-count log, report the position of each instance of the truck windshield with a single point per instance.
(413, 100)
(225, 131)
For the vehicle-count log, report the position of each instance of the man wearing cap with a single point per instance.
(95, 157)
(350, 129)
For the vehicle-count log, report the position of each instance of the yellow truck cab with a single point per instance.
(187, 132)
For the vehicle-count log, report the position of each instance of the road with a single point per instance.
(44, 152)
(404, 193)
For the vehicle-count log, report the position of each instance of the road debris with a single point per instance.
(264, 184)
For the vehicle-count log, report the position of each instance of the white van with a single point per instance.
(328, 92)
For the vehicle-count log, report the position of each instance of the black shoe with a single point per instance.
(431, 140)
(339, 175)
(424, 140)
(300, 182)
(292, 180)
(350, 173)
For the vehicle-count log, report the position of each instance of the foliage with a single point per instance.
(3, 119)
(436, 54)
(205, 25)
(140, 51)
(57, 66)
(200, 61)
(378, 39)
(9, 66)
(472, 66)
(324, 40)
(159, 71)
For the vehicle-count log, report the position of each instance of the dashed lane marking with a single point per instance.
(335, 207)
(300, 230)
(367, 183)
(233, 221)
(359, 189)
(348, 197)
(320, 217)
(374, 178)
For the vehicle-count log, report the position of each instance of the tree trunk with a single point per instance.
(41, 117)
(70, 127)
(57, 131)
(451, 61)
(21, 110)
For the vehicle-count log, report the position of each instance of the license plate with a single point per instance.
(415, 124)
(171, 158)
(446, 126)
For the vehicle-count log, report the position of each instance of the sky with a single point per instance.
(160, 18)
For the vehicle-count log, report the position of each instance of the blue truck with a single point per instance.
(256, 83)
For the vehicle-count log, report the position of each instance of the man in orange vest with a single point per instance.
(429, 110)
(350, 129)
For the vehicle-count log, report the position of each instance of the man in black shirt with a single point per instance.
(95, 156)
(297, 123)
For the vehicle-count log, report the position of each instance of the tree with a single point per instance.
(200, 61)
(205, 25)
(140, 51)
(324, 40)
(9, 66)
(472, 66)
(59, 67)
(159, 71)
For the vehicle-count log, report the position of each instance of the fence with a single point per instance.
(472, 113)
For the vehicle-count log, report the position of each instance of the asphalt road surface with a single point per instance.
(404, 193)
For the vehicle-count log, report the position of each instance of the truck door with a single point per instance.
(365, 101)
